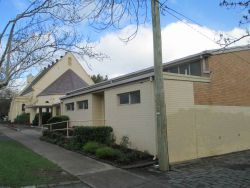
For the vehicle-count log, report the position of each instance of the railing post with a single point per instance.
(67, 129)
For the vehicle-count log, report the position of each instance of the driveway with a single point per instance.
(232, 170)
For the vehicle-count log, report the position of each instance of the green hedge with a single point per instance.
(23, 119)
(45, 117)
(91, 147)
(54, 137)
(108, 153)
(97, 134)
(58, 119)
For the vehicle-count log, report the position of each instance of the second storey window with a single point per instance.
(133, 97)
(83, 104)
(70, 106)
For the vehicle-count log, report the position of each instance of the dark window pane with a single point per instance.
(135, 97)
(184, 69)
(80, 104)
(70, 106)
(124, 98)
(85, 104)
(23, 107)
(173, 69)
(195, 68)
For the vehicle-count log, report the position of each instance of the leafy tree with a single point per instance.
(99, 78)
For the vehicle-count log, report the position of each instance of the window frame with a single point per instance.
(72, 108)
(84, 104)
(130, 102)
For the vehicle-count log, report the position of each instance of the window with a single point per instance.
(23, 107)
(173, 69)
(83, 104)
(70, 106)
(195, 68)
(184, 69)
(124, 98)
(133, 97)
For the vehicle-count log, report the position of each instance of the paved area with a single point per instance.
(232, 170)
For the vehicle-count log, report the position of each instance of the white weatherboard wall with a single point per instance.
(196, 131)
(136, 121)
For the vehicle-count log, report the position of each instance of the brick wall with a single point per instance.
(230, 81)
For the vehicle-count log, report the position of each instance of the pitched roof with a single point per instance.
(68, 81)
(28, 89)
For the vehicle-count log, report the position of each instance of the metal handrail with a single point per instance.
(68, 125)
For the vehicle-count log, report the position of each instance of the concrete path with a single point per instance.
(90, 171)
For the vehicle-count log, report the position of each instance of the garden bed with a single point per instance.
(105, 150)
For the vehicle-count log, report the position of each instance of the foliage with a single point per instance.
(108, 153)
(112, 152)
(4, 107)
(57, 119)
(22, 167)
(91, 147)
(102, 134)
(129, 156)
(45, 117)
(71, 144)
(99, 78)
(24, 118)
(125, 141)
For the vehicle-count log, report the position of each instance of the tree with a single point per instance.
(99, 78)
(243, 22)
(43, 29)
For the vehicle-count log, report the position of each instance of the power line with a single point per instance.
(204, 35)
(195, 22)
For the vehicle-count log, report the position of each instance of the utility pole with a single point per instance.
(160, 105)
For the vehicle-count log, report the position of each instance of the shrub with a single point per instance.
(108, 153)
(23, 118)
(98, 134)
(45, 117)
(55, 137)
(71, 144)
(58, 119)
(91, 147)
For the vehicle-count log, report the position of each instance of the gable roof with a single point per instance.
(28, 88)
(68, 81)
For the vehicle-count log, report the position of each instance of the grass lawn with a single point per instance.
(19, 166)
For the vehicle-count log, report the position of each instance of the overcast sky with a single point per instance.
(179, 38)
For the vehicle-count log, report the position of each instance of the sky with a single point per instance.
(179, 37)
